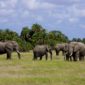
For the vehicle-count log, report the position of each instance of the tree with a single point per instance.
(77, 39)
(56, 37)
(83, 40)
(24, 32)
(8, 35)
(36, 34)
(37, 28)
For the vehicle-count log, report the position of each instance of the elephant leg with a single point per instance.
(70, 58)
(19, 56)
(81, 58)
(75, 58)
(46, 56)
(34, 57)
(51, 55)
(40, 57)
(67, 57)
(57, 53)
(8, 55)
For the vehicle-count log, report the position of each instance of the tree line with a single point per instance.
(29, 37)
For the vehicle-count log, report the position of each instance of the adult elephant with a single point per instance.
(79, 51)
(60, 47)
(8, 47)
(75, 51)
(40, 51)
(69, 51)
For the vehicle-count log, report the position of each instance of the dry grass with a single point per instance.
(29, 72)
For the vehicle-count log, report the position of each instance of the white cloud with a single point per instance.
(7, 7)
(82, 25)
(2, 4)
(32, 8)
(25, 14)
(8, 3)
(81, 12)
(76, 10)
(47, 5)
(36, 4)
(39, 18)
(4, 12)
(31, 4)
(3, 20)
(71, 14)
(73, 19)
(12, 3)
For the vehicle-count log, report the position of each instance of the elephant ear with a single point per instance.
(8, 46)
(76, 48)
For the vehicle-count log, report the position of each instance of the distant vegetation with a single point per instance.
(29, 37)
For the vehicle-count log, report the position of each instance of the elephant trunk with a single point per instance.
(19, 56)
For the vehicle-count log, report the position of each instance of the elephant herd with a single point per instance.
(72, 51)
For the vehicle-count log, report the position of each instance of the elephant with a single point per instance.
(59, 47)
(41, 50)
(69, 51)
(75, 51)
(79, 51)
(8, 47)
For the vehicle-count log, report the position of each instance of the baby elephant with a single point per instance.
(8, 47)
(40, 51)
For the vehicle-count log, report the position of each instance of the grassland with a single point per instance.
(29, 72)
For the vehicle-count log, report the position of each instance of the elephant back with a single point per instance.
(79, 47)
(60, 47)
(40, 48)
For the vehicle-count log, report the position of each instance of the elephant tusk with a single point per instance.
(71, 54)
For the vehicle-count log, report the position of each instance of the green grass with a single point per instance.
(29, 72)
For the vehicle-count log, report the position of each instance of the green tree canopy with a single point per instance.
(24, 32)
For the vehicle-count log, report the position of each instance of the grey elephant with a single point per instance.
(8, 47)
(60, 47)
(40, 51)
(69, 51)
(75, 51)
(79, 51)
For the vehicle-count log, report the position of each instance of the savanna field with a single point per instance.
(29, 72)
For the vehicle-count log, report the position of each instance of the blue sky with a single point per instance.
(67, 16)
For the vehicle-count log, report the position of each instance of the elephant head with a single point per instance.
(59, 47)
(79, 51)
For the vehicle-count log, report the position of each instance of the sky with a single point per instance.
(67, 16)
